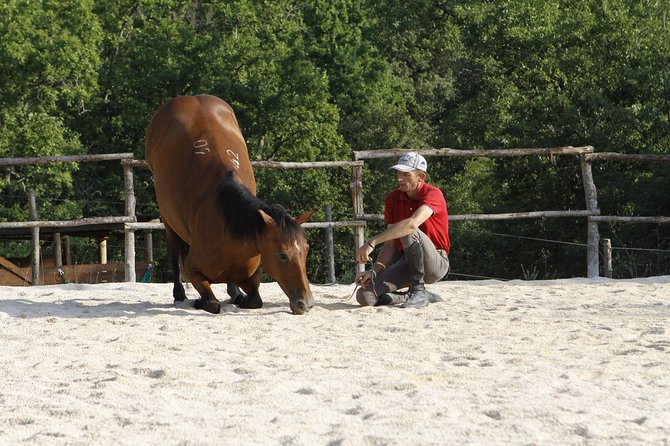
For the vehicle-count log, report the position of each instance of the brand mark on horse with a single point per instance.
(234, 158)
(200, 147)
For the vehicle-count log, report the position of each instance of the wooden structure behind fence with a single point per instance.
(130, 224)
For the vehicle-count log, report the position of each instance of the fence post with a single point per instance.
(149, 240)
(607, 257)
(58, 249)
(68, 253)
(102, 244)
(35, 257)
(592, 238)
(357, 201)
(129, 189)
(330, 249)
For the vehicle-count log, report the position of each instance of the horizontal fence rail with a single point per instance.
(506, 216)
(609, 156)
(458, 153)
(91, 221)
(309, 225)
(64, 159)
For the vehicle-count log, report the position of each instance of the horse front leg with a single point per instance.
(207, 301)
(252, 299)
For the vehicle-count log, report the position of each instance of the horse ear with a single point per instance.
(304, 217)
(265, 216)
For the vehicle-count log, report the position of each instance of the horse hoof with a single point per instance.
(211, 306)
(239, 298)
(246, 302)
(178, 293)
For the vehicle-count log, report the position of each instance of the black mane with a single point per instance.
(242, 219)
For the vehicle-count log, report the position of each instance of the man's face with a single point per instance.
(409, 181)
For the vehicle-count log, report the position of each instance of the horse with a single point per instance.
(216, 227)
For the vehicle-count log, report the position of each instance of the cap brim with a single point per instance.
(402, 168)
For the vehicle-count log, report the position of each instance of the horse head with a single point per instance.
(283, 249)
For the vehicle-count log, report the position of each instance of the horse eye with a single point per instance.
(283, 257)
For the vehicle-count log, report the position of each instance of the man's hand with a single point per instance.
(364, 279)
(363, 253)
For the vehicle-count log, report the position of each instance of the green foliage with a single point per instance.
(555, 73)
(49, 58)
(51, 47)
(315, 80)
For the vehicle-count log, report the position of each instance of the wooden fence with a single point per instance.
(130, 224)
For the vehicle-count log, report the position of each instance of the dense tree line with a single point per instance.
(315, 80)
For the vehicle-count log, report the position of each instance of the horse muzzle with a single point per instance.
(301, 305)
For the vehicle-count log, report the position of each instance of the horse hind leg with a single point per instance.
(234, 292)
(177, 250)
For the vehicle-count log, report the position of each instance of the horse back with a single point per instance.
(191, 143)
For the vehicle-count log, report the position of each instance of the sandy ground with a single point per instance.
(566, 362)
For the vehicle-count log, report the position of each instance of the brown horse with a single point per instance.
(214, 223)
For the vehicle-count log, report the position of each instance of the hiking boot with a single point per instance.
(417, 299)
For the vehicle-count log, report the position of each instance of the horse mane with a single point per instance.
(241, 217)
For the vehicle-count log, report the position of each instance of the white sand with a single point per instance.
(567, 362)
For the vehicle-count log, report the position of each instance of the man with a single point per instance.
(418, 228)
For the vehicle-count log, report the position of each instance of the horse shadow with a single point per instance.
(90, 308)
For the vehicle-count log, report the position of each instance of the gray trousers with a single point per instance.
(396, 276)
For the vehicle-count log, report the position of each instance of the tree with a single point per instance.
(49, 58)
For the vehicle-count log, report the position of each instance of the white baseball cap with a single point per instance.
(410, 161)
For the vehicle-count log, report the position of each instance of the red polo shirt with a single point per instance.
(398, 206)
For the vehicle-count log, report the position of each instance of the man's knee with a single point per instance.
(366, 298)
(410, 238)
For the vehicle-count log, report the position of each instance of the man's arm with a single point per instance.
(403, 227)
(386, 254)
(393, 232)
